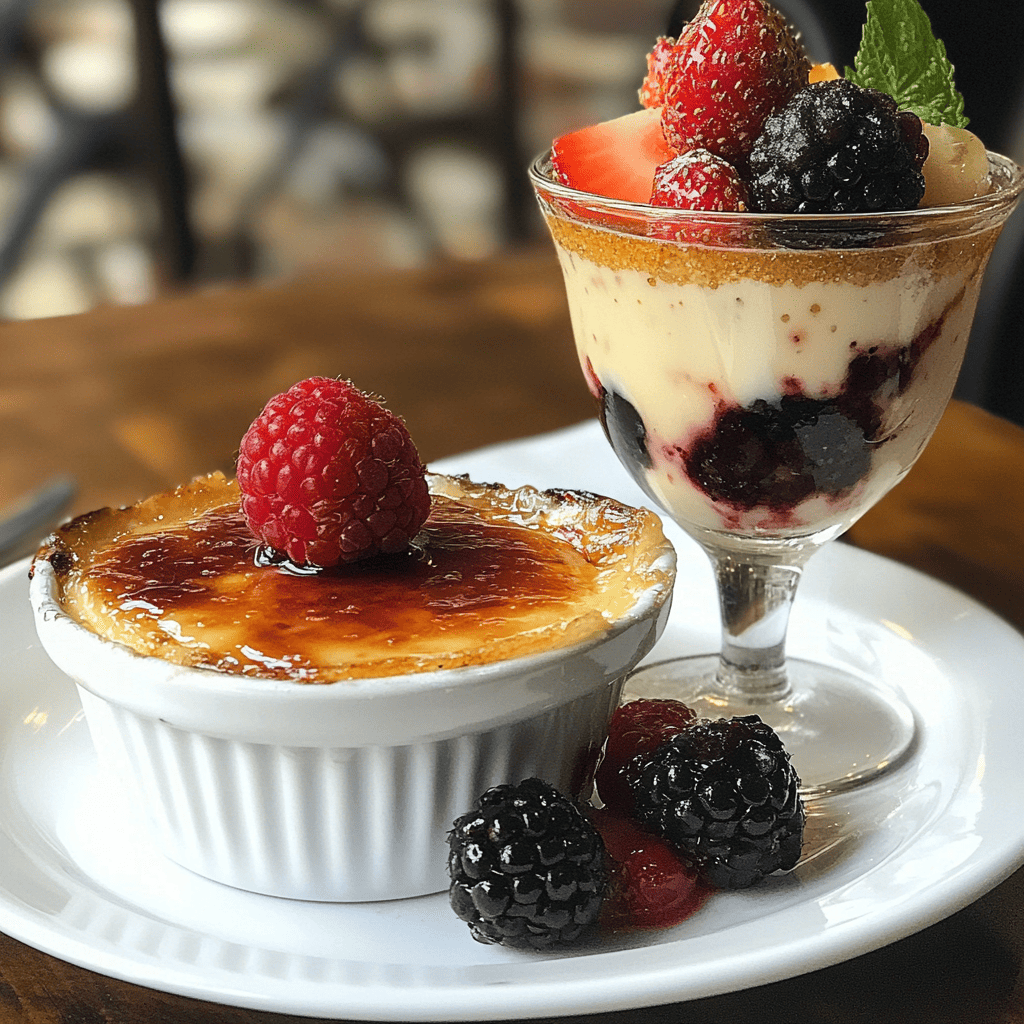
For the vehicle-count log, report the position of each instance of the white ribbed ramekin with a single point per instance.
(345, 791)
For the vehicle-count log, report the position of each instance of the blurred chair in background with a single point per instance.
(258, 138)
(126, 120)
(385, 107)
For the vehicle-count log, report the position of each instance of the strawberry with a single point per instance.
(699, 180)
(616, 159)
(737, 61)
(659, 63)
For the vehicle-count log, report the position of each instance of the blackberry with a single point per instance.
(775, 455)
(626, 433)
(726, 795)
(527, 867)
(625, 430)
(838, 148)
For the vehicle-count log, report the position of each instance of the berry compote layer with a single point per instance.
(493, 574)
(757, 389)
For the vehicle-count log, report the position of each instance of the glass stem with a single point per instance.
(756, 595)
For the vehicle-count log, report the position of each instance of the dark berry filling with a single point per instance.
(775, 455)
(625, 429)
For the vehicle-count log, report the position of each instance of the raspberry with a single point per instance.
(838, 148)
(699, 180)
(735, 63)
(328, 476)
(527, 867)
(649, 885)
(725, 794)
(637, 727)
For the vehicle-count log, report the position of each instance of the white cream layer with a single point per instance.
(678, 351)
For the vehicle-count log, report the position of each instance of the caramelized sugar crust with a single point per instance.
(494, 574)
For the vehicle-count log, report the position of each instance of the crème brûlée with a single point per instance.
(494, 574)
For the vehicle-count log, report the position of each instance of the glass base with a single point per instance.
(840, 730)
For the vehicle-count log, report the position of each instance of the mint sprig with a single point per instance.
(900, 55)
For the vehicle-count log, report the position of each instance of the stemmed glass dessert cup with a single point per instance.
(766, 379)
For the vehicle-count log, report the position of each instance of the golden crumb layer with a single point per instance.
(678, 263)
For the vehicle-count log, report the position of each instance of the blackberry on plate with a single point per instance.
(838, 148)
(725, 793)
(527, 867)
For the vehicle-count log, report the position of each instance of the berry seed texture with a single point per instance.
(329, 476)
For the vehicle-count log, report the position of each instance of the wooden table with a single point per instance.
(135, 400)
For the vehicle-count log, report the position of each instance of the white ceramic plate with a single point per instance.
(78, 880)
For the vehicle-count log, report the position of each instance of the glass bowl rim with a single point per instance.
(1008, 177)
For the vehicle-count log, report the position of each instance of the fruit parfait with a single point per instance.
(772, 271)
(771, 375)
(300, 676)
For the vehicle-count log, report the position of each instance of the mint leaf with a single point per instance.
(900, 55)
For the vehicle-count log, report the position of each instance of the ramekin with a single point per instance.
(341, 792)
